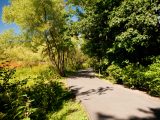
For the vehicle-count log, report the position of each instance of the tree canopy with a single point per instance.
(120, 30)
(42, 22)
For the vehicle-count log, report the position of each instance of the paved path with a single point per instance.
(105, 101)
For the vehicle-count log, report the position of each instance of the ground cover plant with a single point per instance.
(35, 93)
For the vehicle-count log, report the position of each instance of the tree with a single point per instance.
(136, 33)
(45, 20)
(7, 40)
(120, 31)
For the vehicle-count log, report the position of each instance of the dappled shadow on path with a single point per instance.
(88, 73)
(101, 116)
(98, 91)
(86, 89)
(155, 112)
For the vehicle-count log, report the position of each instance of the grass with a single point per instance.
(71, 111)
(106, 78)
(25, 72)
(44, 80)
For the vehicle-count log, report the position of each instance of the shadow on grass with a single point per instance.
(64, 115)
(19, 101)
(47, 98)
(70, 73)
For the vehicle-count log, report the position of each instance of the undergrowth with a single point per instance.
(34, 93)
(146, 78)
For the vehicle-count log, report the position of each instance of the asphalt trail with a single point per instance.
(106, 101)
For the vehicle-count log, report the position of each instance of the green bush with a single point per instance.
(153, 76)
(116, 72)
(154, 87)
(134, 76)
(18, 100)
(138, 76)
(131, 75)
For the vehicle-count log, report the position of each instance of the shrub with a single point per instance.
(134, 76)
(116, 73)
(19, 100)
(153, 77)
(138, 76)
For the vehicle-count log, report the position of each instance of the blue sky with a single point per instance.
(4, 26)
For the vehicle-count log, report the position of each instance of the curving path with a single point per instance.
(106, 101)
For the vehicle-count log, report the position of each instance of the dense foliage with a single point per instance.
(124, 34)
(31, 97)
(43, 23)
(29, 88)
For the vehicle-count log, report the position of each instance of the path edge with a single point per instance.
(79, 101)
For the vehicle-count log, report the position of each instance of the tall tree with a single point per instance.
(45, 20)
(121, 31)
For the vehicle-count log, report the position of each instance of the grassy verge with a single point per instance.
(36, 93)
(71, 111)
(135, 76)
(106, 78)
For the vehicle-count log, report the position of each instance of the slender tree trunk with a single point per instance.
(51, 43)
(63, 63)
